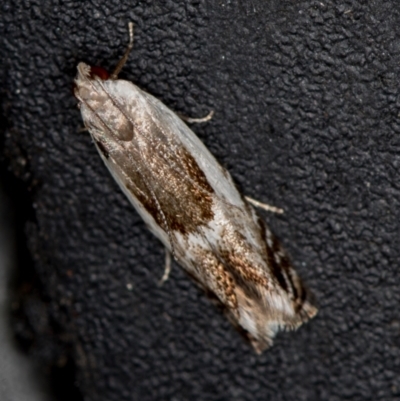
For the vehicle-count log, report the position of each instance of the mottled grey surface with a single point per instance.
(306, 101)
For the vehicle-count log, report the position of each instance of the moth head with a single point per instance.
(86, 74)
(92, 89)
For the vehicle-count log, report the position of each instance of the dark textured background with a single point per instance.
(306, 102)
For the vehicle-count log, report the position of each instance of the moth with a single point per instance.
(192, 205)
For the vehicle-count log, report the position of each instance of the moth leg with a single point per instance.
(190, 120)
(264, 206)
(124, 58)
(167, 268)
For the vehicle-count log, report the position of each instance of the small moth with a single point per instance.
(192, 205)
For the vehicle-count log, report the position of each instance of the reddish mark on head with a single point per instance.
(99, 72)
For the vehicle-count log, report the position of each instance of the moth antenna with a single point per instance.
(124, 58)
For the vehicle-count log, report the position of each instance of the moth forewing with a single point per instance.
(192, 205)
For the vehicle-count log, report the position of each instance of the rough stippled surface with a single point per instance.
(306, 101)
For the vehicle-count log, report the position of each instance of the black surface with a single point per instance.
(306, 101)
